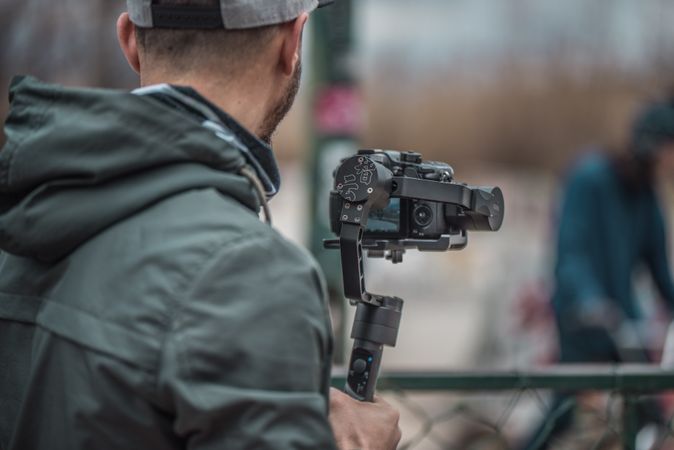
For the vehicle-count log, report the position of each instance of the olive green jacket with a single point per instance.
(143, 304)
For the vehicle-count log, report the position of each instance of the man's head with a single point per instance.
(653, 136)
(242, 55)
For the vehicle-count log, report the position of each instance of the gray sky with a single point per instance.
(477, 33)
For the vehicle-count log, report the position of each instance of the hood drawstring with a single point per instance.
(249, 173)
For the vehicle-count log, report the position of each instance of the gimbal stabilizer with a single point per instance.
(417, 205)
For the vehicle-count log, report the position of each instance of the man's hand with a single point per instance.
(363, 425)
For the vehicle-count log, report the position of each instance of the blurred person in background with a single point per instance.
(611, 223)
(143, 304)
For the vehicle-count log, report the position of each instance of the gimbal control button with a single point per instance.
(359, 366)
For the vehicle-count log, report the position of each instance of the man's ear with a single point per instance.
(126, 34)
(292, 44)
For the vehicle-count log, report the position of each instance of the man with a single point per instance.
(611, 223)
(143, 304)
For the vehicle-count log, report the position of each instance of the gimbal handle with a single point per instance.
(373, 327)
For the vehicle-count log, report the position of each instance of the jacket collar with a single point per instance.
(258, 154)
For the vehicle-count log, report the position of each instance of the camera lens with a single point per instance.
(423, 215)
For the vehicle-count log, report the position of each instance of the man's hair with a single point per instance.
(189, 49)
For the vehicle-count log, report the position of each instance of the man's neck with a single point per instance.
(247, 104)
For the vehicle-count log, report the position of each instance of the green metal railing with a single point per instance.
(627, 385)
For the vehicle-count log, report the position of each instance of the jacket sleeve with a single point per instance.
(248, 363)
(656, 256)
(574, 272)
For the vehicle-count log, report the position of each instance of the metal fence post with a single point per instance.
(336, 120)
(630, 421)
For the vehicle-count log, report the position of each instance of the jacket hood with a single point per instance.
(76, 161)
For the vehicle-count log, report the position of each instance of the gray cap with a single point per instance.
(231, 14)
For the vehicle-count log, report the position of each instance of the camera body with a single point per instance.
(424, 203)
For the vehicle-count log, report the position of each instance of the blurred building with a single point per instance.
(523, 82)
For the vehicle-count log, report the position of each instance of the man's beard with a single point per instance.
(279, 111)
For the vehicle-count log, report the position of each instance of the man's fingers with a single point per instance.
(363, 424)
(394, 413)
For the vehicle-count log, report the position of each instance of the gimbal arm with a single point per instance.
(377, 318)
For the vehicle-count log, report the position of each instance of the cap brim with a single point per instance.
(322, 3)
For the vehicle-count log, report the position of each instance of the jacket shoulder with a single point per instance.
(132, 278)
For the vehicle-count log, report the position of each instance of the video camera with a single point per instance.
(419, 204)
(388, 202)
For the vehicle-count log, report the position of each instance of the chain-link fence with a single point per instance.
(561, 408)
